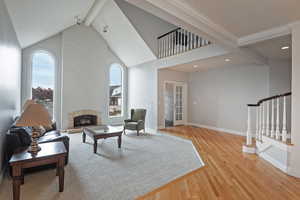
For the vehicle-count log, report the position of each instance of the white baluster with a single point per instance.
(284, 128)
(263, 119)
(268, 119)
(257, 122)
(260, 122)
(273, 120)
(277, 120)
(249, 132)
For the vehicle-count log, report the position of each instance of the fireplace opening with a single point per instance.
(85, 120)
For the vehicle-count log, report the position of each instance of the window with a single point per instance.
(115, 91)
(43, 79)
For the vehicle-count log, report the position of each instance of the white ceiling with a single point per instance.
(271, 49)
(245, 17)
(121, 36)
(214, 62)
(35, 20)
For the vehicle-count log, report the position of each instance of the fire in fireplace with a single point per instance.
(85, 120)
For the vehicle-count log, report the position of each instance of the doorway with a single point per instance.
(175, 98)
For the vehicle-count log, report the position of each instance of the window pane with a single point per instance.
(43, 69)
(115, 91)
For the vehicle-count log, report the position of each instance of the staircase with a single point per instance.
(269, 124)
(179, 41)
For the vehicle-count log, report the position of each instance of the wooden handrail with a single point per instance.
(270, 98)
(168, 33)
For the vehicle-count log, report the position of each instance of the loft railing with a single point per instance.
(179, 41)
(271, 119)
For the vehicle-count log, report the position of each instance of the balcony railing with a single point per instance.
(179, 41)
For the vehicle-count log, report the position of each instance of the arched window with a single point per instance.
(43, 79)
(115, 91)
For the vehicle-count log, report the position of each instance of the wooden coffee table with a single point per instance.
(103, 132)
(52, 152)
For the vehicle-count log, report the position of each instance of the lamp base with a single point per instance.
(34, 150)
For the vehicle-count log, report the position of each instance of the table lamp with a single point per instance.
(34, 115)
(27, 103)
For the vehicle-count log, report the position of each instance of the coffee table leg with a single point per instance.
(95, 145)
(61, 174)
(83, 137)
(17, 181)
(119, 141)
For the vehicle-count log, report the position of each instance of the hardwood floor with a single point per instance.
(228, 174)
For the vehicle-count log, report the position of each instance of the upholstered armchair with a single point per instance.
(136, 121)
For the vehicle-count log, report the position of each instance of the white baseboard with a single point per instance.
(274, 162)
(234, 132)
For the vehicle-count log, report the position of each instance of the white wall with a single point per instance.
(53, 46)
(163, 76)
(147, 25)
(142, 92)
(10, 71)
(86, 62)
(294, 160)
(219, 97)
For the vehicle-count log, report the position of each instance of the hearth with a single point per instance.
(85, 120)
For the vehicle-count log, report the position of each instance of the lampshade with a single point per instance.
(35, 115)
(27, 103)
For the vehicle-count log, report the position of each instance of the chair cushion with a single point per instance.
(131, 125)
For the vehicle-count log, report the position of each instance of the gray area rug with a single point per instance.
(143, 164)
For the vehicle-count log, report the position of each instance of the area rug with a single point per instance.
(143, 164)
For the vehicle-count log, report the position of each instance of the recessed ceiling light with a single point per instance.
(227, 60)
(285, 47)
(195, 66)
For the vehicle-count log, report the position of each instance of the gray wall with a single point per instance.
(53, 46)
(86, 62)
(218, 97)
(146, 24)
(10, 68)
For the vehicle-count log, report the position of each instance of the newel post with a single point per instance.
(249, 147)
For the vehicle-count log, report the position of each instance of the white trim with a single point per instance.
(94, 11)
(267, 34)
(185, 101)
(250, 150)
(264, 35)
(234, 132)
(274, 162)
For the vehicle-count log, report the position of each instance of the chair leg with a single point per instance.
(124, 131)
(138, 132)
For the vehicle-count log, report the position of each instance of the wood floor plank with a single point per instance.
(228, 173)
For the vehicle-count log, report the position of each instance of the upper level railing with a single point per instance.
(179, 41)
(271, 119)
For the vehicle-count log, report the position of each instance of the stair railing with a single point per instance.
(271, 119)
(179, 41)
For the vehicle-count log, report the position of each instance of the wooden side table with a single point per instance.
(53, 152)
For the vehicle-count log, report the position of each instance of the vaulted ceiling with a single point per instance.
(35, 20)
(245, 17)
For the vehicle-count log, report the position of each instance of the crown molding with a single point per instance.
(268, 34)
(265, 35)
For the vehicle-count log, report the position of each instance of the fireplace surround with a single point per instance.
(82, 118)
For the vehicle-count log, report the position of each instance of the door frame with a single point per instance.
(185, 100)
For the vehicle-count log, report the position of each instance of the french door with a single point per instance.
(180, 105)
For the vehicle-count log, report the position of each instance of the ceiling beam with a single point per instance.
(182, 15)
(94, 11)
